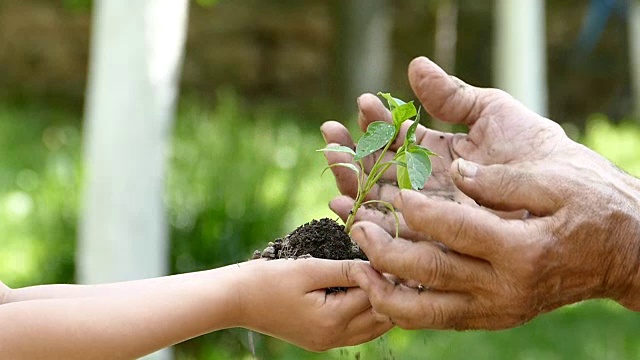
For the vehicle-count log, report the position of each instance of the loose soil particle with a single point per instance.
(323, 238)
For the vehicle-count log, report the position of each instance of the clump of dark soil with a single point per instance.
(323, 238)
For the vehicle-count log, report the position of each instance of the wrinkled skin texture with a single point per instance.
(517, 219)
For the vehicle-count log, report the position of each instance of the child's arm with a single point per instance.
(284, 298)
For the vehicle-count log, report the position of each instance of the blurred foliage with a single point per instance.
(77, 5)
(619, 143)
(294, 51)
(85, 5)
(39, 181)
(206, 3)
(239, 178)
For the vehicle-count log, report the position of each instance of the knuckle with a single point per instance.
(433, 268)
(459, 227)
(441, 319)
(346, 269)
(378, 295)
(427, 316)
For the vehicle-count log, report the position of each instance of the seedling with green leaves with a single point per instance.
(412, 161)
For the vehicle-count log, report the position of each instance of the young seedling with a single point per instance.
(412, 161)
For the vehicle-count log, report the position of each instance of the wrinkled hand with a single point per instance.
(530, 220)
(287, 299)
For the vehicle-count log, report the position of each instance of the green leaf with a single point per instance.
(411, 132)
(341, 148)
(378, 134)
(347, 165)
(393, 102)
(397, 163)
(403, 112)
(402, 173)
(429, 152)
(418, 167)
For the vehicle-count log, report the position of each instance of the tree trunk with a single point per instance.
(446, 35)
(136, 55)
(520, 51)
(365, 47)
(445, 45)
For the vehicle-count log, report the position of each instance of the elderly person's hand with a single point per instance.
(529, 219)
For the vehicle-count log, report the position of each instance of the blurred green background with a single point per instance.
(266, 75)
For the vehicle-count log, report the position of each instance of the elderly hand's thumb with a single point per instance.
(502, 187)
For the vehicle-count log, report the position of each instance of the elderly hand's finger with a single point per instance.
(443, 96)
(334, 132)
(370, 109)
(410, 309)
(423, 261)
(342, 206)
(507, 188)
(346, 178)
(467, 229)
(378, 214)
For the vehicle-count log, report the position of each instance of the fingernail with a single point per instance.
(324, 136)
(398, 201)
(358, 234)
(467, 169)
(360, 113)
(331, 206)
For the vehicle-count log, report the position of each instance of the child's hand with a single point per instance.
(287, 299)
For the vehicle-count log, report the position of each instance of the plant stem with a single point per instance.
(364, 187)
(352, 216)
(358, 200)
